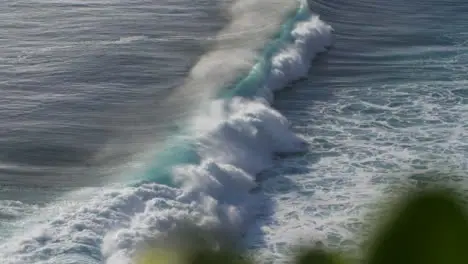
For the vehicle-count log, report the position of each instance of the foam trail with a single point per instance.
(223, 147)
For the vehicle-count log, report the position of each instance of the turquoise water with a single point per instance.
(182, 151)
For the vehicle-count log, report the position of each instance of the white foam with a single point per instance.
(245, 133)
(235, 138)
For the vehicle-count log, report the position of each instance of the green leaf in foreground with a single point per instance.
(429, 227)
(318, 256)
(216, 257)
(157, 256)
(196, 257)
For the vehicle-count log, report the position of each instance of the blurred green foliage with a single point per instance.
(425, 226)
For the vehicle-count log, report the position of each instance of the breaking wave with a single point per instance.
(207, 171)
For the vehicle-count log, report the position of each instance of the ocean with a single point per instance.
(277, 122)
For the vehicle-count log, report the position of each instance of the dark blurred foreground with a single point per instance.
(428, 225)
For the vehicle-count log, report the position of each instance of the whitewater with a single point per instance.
(204, 173)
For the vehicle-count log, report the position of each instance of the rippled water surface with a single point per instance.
(388, 100)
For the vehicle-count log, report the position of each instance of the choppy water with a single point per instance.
(120, 120)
